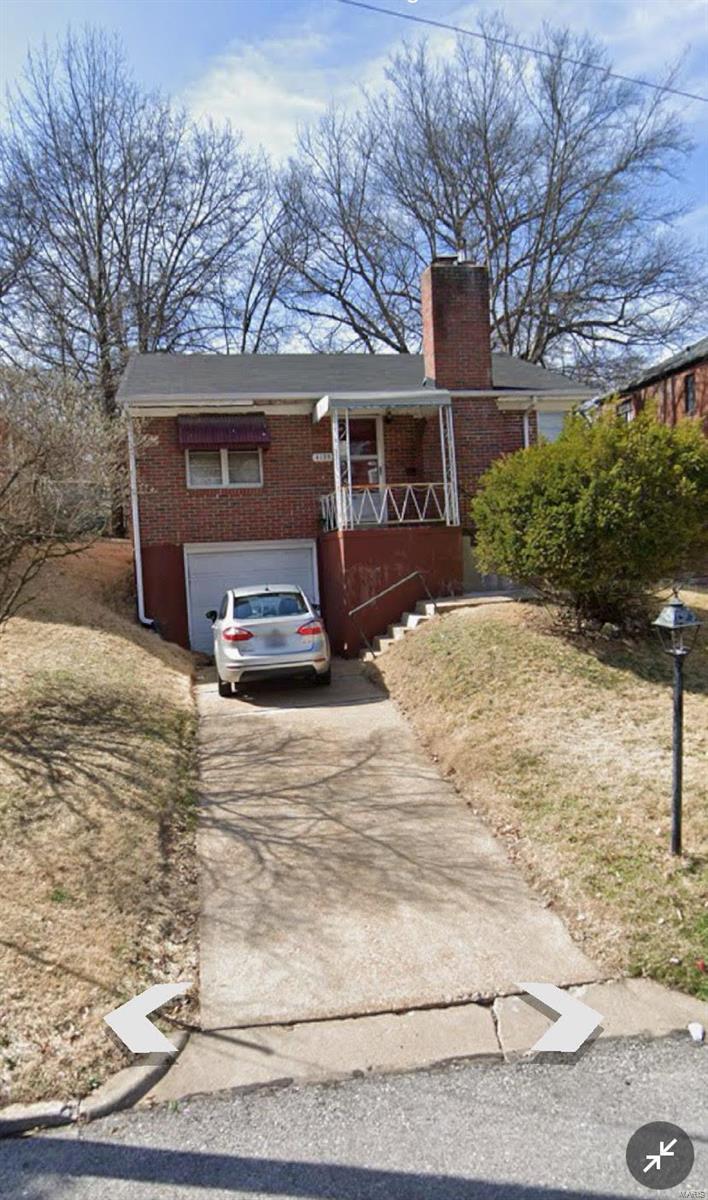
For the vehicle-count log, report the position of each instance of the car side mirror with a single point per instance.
(211, 615)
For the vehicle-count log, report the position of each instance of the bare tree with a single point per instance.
(545, 167)
(354, 261)
(62, 468)
(120, 217)
(253, 317)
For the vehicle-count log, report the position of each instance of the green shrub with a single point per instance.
(597, 517)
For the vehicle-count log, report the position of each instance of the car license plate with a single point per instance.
(275, 639)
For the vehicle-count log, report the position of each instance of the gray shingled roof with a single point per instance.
(221, 375)
(677, 362)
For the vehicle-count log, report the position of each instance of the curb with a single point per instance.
(120, 1091)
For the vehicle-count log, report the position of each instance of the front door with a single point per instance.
(367, 469)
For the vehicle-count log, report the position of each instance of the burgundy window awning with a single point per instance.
(235, 433)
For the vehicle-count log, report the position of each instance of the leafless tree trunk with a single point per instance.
(253, 317)
(354, 261)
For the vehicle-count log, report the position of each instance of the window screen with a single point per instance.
(204, 468)
(362, 436)
(244, 466)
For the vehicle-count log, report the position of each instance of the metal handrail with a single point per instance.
(385, 592)
(392, 588)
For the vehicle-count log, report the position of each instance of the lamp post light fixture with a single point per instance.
(678, 629)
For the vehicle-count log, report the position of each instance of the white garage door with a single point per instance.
(212, 570)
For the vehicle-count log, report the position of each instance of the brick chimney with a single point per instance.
(456, 332)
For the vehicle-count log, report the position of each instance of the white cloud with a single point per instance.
(270, 87)
(264, 90)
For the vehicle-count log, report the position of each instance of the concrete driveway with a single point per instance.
(342, 875)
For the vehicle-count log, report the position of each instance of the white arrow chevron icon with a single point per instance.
(655, 1159)
(576, 1021)
(130, 1023)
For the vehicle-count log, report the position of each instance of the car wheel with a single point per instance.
(225, 689)
(325, 678)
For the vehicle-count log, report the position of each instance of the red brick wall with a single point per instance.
(482, 433)
(456, 328)
(287, 506)
(403, 437)
(667, 396)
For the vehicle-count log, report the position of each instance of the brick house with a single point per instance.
(677, 387)
(342, 473)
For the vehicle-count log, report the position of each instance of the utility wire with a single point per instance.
(485, 37)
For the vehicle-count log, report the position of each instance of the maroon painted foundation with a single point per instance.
(355, 565)
(165, 591)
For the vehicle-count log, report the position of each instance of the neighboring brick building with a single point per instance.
(676, 388)
(343, 473)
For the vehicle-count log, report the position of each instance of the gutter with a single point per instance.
(135, 519)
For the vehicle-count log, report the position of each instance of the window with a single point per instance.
(689, 395)
(549, 425)
(244, 468)
(625, 411)
(264, 605)
(224, 468)
(224, 607)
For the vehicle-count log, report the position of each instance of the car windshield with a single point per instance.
(268, 604)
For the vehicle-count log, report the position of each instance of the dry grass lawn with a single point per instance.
(98, 885)
(564, 747)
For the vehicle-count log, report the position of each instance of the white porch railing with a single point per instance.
(385, 504)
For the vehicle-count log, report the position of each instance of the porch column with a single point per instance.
(443, 459)
(337, 465)
(449, 465)
(342, 471)
(348, 468)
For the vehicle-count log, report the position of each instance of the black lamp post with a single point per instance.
(678, 629)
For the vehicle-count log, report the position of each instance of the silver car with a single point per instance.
(266, 631)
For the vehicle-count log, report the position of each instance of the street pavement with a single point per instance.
(554, 1130)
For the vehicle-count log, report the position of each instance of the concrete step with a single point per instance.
(472, 599)
(445, 604)
(425, 608)
(412, 620)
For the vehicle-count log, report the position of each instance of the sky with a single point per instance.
(270, 65)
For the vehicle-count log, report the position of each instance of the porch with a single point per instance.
(393, 460)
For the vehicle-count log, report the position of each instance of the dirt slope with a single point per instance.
(97, 877)
(564, 746)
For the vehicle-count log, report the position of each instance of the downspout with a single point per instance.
(527, 429)
(135, 519)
